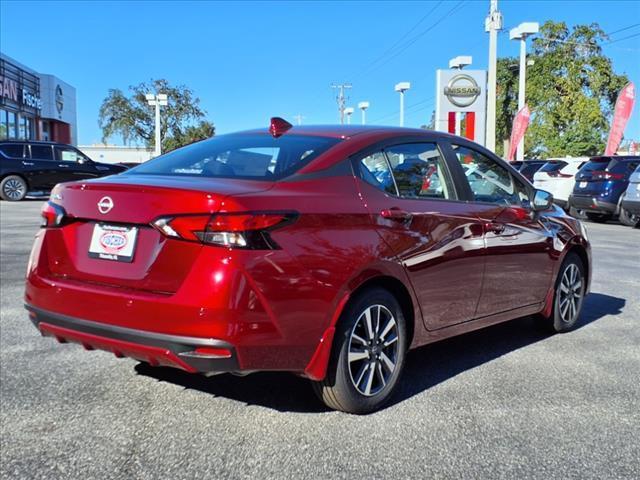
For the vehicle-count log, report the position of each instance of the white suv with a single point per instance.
(558, 176)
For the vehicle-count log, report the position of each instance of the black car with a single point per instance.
(29, 166)
(529, 167)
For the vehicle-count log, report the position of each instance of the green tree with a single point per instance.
(571, 92)
(131, 117)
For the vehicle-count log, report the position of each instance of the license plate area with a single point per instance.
(583, 185)
(113, 242)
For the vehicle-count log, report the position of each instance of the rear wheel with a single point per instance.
(368, 354)
(569, 295)
(598, 217)
(13, 188)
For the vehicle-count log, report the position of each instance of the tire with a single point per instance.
(368, 381)
(566, 309)
(599, 217)
(627, 218)
(13, 188)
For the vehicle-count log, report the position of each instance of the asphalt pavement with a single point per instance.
(509, 401)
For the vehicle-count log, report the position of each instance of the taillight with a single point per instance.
(236, 230)
(52, 215)
(603, 175)
(559, 174)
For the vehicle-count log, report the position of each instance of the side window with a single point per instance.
(489, 181)
(375, 171)
(12, 150)
(67, 154)
(420, 171)
(41, 152)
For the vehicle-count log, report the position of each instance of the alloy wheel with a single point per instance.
(373, 350)
(570, 293)
(13, 189)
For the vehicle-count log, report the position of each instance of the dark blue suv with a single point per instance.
(600, 184)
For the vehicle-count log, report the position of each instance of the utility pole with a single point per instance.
(341, 98)
(401, 88)
(363, 107)
(299, 119)
(492, 24)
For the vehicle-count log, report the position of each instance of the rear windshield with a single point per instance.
(594, 165)
(553, 166)
(256, 157)
(530, 167)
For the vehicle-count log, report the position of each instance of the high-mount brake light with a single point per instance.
(236, 230)
(52, 215)
(278, 126)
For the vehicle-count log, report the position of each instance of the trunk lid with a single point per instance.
(134, 202)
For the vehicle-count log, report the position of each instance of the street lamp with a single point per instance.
(521, 32)
(363, 107)
(157, 101)
(348, 112)
(401, 88)
(460, 62)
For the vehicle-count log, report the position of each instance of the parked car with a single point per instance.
(29, 166)
(528, 168)
(323, 251)
(631, 199)
(557, 176)
(600, 186)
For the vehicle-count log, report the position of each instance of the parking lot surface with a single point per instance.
(509, 401)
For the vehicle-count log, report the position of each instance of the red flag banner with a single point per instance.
(520, 124)
(624, 106)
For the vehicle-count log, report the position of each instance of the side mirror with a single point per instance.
(542, 201)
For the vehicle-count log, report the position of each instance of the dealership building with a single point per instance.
(35, 106)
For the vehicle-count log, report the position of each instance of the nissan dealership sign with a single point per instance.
(461, 94)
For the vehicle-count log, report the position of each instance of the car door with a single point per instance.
(519, 249)
(75, 165)
(413, 200)
(45, 170)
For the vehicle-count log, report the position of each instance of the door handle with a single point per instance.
(394, 213)
(62, 165)
(494, 227)
(27, 164)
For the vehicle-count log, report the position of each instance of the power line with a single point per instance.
(623, 29)
(398, 42)
(623, 38)
(413, 40)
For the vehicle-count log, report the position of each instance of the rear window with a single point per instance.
(596, 165)
(256, 157)
(554, 166)
(530, 167)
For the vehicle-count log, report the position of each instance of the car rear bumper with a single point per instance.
(590, 203)
(631, 206)
(192, 354)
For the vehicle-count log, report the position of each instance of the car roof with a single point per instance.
(35, 142)
(344, 131)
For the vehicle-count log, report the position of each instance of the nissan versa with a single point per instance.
(328, 252)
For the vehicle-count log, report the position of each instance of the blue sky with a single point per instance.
(248, 61)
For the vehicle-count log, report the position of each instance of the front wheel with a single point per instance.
(367, 356)
(629, 219)
(569, 295)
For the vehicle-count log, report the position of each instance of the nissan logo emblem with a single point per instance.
(105, 205)
(462, 90)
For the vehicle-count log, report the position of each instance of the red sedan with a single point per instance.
(323, 251)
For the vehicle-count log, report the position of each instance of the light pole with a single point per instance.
(348, 112)
(521, 32)
(492, 24)
(401, 88)
(363, 107)
(157, 101)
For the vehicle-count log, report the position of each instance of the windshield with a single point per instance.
(256, 157)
